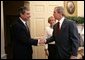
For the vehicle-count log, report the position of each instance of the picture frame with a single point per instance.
(70, 8)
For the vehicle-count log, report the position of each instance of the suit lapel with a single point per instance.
(22, 24)
(63, 24)
(24, 27)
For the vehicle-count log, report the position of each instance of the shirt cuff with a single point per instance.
(46, 46)
(38, 42)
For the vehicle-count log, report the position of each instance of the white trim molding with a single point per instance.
(4, 56)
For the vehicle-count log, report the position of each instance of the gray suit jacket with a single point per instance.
(67, 41)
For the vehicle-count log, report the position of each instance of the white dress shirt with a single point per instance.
(24, 22)
(49, 32)
(61, 21)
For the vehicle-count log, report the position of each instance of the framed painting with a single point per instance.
(70, 8)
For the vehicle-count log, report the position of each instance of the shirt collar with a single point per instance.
(62, 19)
(22, 20)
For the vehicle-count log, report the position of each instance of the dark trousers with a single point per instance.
(22, 56)
(51, 50)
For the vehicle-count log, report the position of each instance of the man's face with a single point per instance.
(56, 15)
(26, 15)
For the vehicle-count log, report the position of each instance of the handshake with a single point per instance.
(41, 41)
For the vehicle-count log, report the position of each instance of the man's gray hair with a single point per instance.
(60, 10)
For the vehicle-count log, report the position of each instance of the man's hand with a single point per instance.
(41, 41)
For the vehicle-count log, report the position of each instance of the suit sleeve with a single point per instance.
(51, 39)
(74, 37)
(22, 37)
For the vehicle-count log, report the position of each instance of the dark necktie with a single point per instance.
(26, 26)
(27, 29)
(58, 27)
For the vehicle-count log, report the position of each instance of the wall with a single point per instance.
(80, 6)
(10, 7)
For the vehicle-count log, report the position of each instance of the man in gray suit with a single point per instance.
(65, 35)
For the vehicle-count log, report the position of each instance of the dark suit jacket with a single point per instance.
(67, 41)
(21, 41)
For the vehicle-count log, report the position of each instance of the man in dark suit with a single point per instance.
(65, 35)
(20, 36)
